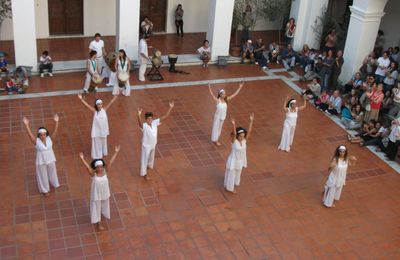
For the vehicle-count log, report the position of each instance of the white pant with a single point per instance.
(142, 68)
(287, 136)
(232, 178)
(87, 82)
(98, 208)
(216, 129)
(147, 159)
(330, 194)
(99, 147)
(104, 69)
(112, 79)
(46, 173)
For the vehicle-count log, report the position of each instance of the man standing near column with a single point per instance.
(98, 45)
(143, 56)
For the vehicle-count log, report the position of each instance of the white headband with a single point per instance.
(342, 147)
(221, 91)
(292, 101)
(240, 131)
(42, 131)
(98, 163)
(99, 101)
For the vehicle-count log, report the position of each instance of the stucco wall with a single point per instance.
(389, 23)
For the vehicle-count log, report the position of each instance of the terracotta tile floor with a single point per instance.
(184, 212)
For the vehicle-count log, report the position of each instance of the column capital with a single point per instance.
(361, 15)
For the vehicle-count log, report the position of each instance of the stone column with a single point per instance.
(219, 27)
(24, 30)
(128, 22)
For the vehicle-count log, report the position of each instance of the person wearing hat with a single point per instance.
(100, 129)
(46, 171)
(248, 51)
(237, 159)
(100, 188)
(337, 175)
(220, 114)
(289, 126)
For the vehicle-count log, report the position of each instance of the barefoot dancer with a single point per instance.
(237, 158)
(45, 159)
(220, 114)
(100, 189)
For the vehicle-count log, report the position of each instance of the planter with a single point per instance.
(236, 50)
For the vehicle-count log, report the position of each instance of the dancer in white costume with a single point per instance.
(92, 70)
(123, 65)
(149, 139)
(46, 170)
(100, 129)
(220, 114)
(237, 159)
(337, 175)
(100, 189)
(289, 126)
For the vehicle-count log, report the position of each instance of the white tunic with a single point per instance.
(97, 46)
(291, 117)
(220, 113)
(100, 124)
(123, 68)
(337, 177)
(44, 153)
(150, 133)
(100, 189)
(237, 158)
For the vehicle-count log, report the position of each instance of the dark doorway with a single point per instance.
(156, 10)
(65, 17)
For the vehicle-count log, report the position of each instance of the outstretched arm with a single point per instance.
(139, 113)
(237, 91)
(28, 130)
(212, 93)
(110, 103)
(86, 104)
(56, 119)
(285, 108)
(171, 105)
(87, 166)
(234, 130)
(304, 104)
(117, 148)
(352, 160)
(250, 126)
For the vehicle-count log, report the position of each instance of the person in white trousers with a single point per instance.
(149, 139)
(289, 126)
(100, 188)
(123, 65)
(46, 170)
(92, 70)
(98, 45)
(100, 129)
(143, 56)
(220, 114)
(237, 159)
(337, 175)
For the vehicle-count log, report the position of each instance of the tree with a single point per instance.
(5, 11)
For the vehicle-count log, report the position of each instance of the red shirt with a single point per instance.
(376, 100)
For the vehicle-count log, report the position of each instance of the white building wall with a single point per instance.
(99, 16)
(389, 23)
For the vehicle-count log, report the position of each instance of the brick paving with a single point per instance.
(183, 212)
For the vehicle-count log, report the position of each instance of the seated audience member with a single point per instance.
(315, 72)
(11, 87)
(248, 51)
(259, 49)
(369, 66)
(394, 56)
(3, 65)
(391, 76)
(353, 97)
(322, 100)
(377, 137)
(313, 90)
(45, 63)
(345, 111)
(288, 58)
(356, 120)
(333, 105)
(387, 102)
(147, 26)
(304, 57)
(205, 53)
(273, 54)
(354, 83)
(21, 79)
(383, 65)
(365, 134)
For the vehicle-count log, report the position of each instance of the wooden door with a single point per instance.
(65, 17)
(156, 10)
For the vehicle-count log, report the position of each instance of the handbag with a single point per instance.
(368, 107)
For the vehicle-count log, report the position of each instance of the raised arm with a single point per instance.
(139, 118)
(285, 108)
(237, 91)
(212, 93)
(250, 126)
(87, 166)
(304, 104)
(234, 130)
(28, 130)
(110, 103)
(56, 119)
(171, 105)
(86, 104)
(117, 148)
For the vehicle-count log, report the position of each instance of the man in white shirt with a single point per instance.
(143, 56)
(205, 53)
(98, 45)
(149, 140)
(45, 63)
(383, 64)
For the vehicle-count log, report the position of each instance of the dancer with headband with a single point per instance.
(100, 129)
(289, 126)
(100, 189)
(46, 170)
(337, 176)
(220, 114)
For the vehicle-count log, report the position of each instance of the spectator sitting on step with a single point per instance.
(248, 51)
(313, 90)
(205, 53)
(288, 58)
(357, 116)
(259, 49)
(333, 105)
(305, 58)
(315, 72)
(354, 83)
(147, 26)
(45, 63)
(3, 65)
(365, 134)
(322, 99)
(11, 86)
(273, 54)
(21, 79)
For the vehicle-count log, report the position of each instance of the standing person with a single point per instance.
(289, 126)
(92, 71)
(149, 139)
(379, 43)
(247, 22)
(100, 188)
(391, 77)
(336, 70)
(179, 20)
(337, 176)
(98, 45)
(122, 67)
(394, 140)
(205, 53)
(237, 159)
(330, 41)
(46, 170)
(375, 102)
(383, 65)
(326, 72)
(45, 63)
(143, 56)
(100, 129)
(289, 31)
(220, 114)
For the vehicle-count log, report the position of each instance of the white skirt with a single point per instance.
(216, 129)
(99, 147)
(287, 136)
(331, 194)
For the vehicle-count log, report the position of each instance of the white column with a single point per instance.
(219, 27)
(23, 17)
(127, 33)
(363, 27)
